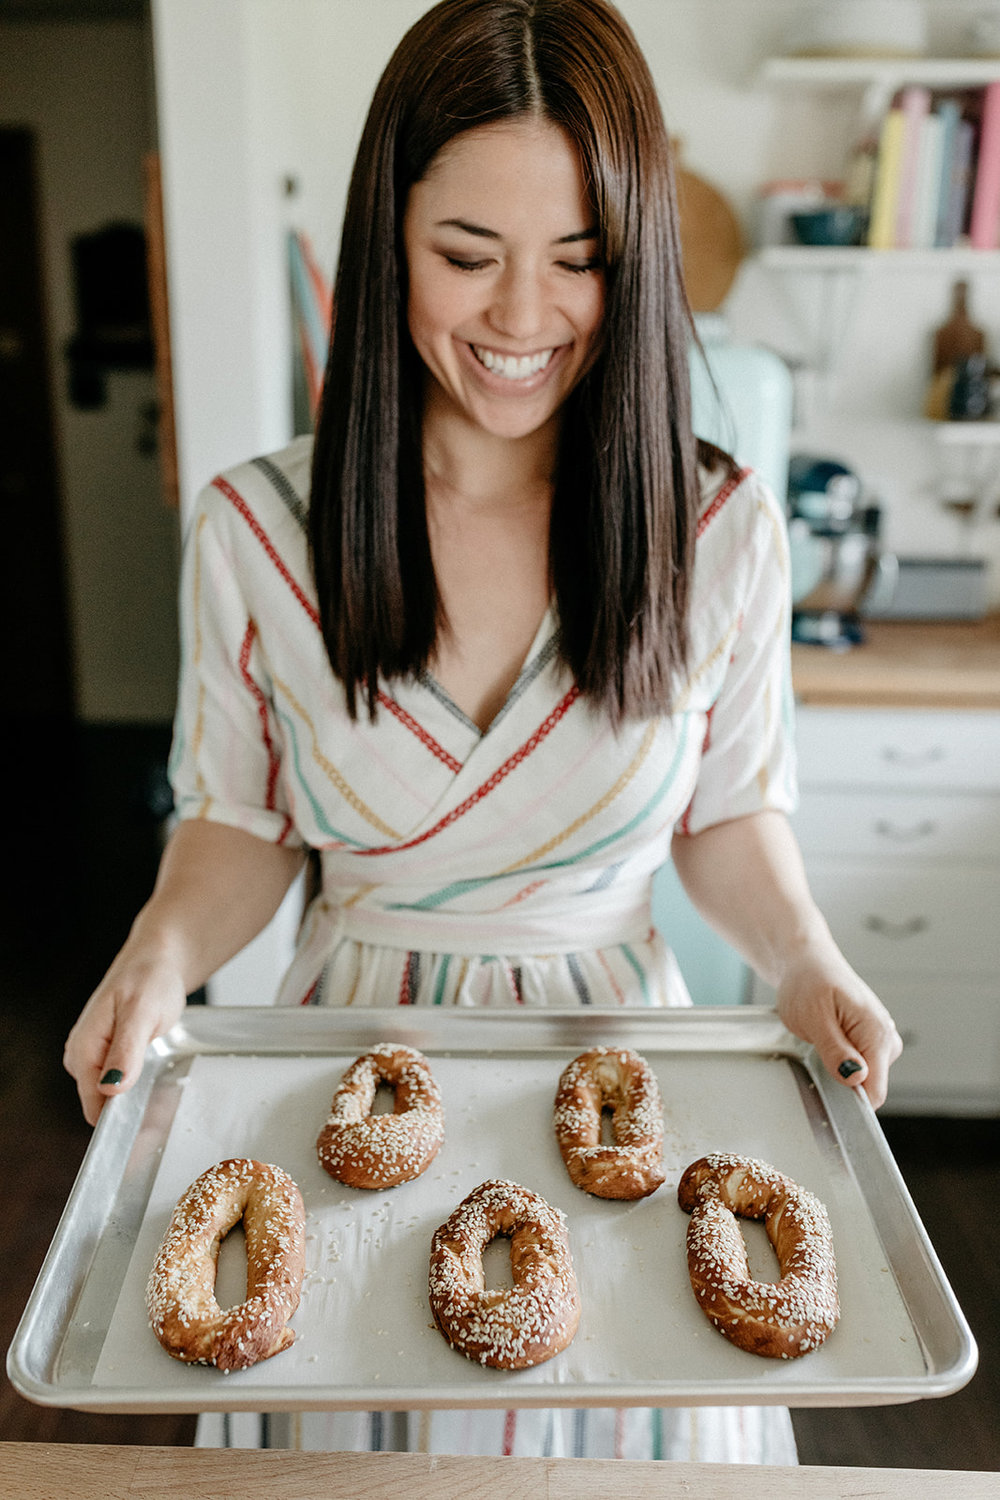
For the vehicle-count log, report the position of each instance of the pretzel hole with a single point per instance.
(231, 1269)
(607, 1126)
(760, 1252)
(497, 1273)
(384, 1102)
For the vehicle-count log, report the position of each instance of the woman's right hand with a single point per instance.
(139, 998)
(216, 888)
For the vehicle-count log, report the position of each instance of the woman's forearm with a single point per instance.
(747, 879)
(217, 887)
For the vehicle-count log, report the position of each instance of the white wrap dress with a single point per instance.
(505, 868)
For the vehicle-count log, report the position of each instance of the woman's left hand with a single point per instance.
(822, 1000)
(747, 879)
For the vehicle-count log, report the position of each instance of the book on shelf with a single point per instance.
(915, 104)
(885, 194)
(984, 214)
(959, 187)
(936, 179)
(950, 115)
(927, 183)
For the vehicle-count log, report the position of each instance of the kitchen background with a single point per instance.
(255, 109)
(280, 94)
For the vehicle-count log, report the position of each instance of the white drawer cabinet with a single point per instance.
(911, 918)
(903, 827)
(899, 749)
(951, 1044)
(899, 823)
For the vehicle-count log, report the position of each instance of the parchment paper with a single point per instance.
(364, 1323)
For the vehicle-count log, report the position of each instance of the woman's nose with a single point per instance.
(518, 304)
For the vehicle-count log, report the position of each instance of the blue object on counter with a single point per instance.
(754, 420)
(713, 972)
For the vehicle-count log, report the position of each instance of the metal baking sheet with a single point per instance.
(258, 1083)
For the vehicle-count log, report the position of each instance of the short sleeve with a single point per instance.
(748, 757)
(226, 759)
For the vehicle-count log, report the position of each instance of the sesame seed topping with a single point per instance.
(379, 1151)
(180, 1293)
(520, 1326)
(802, 1307)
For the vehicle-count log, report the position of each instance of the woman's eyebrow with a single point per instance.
(467, 228)
(590, 233)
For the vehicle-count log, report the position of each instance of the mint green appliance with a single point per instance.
(750, 415)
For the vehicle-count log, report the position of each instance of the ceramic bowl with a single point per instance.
(837, 224)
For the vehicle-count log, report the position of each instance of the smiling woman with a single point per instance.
(621, 533)
(504, 638)
(505, 307)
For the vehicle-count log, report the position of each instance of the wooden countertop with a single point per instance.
(905, 665)
(72, 1471)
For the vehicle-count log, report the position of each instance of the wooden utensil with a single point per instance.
(711, 238)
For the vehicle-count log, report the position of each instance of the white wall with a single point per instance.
(256, 92)
(252, 95)
(83, 89)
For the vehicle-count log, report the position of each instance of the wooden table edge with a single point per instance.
(74, 1471)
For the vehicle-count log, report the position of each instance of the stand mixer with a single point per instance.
(836, 557)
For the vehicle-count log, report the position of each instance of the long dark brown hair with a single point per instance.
(626, 488)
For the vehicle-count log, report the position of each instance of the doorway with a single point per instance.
(32, 590)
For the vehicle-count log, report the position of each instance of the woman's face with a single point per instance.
(506, 293)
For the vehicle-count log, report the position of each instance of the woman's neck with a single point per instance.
(481, 469)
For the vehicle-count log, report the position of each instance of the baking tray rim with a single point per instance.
(252, 1030)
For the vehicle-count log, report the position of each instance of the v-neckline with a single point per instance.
(546, 631)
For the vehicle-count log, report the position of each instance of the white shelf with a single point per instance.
(862, 257)
(967, 434)
(887, 73)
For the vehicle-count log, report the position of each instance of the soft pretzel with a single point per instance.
(622, 1081)
(378, 1151)
(508, 1329)
(180, 1295)
(783, 1319)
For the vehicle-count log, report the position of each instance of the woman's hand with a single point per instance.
(217, 887)
(747, 879)
(822, 1000)
(139, 999)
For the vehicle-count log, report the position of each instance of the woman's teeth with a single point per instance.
(509, 366)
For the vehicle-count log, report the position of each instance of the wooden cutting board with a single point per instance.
(711, 239)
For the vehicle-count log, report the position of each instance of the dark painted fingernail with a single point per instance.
(849, 1067)
(115, 1075)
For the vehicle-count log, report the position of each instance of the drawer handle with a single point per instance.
(905, 835)
(886, 928)
(897, 757)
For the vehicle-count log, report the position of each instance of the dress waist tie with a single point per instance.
(570, 924)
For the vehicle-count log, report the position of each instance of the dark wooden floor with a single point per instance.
(83, 854)
(952, 1169)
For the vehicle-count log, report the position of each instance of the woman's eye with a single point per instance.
(579, 266)
(465, 265)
